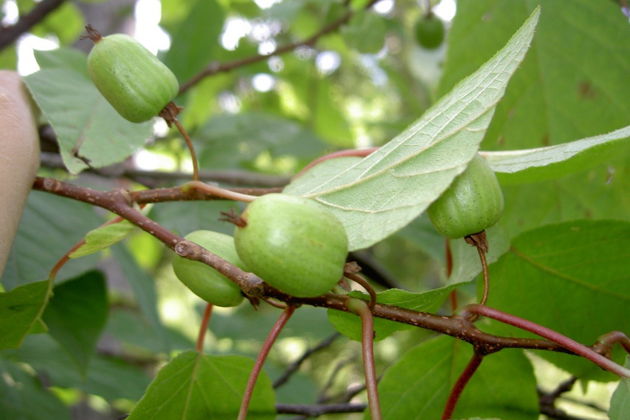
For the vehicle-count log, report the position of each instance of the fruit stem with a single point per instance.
(549, 334)
(479, 241)
(338, 154)
(362, 309)
(260, 360)
(169, 113)
(203, 328)
(360, 280)
(92, 34)
(459, 386)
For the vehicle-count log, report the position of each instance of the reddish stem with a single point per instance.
(204, 327)
(367, 346)
(551, 335)
(448, 256)
(338, 154)
(363, 282)
(260, 361)
(459, 386)
(191, 149)
(486, 276)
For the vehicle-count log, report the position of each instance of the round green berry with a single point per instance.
(429, 32)
(293, 243)
(472, 203)
(205, 281)
(133, 80)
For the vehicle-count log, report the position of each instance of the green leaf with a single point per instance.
(392, 186)
(418, 384)
(571, 277)
(572, 84)
(196, 39)
(103, 237)
(88, 129)
(531, 165)
(76, 315)
(50, 226)
(196, 386)
(350, 325)
(62, 58)
(23, 397)
(108, 377)
(66, 23)
(20, 311)
(620, 401)
(233, 141)
(365, 32)
(143, 286)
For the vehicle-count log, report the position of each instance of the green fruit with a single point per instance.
(472, 203)
(430, 32)
(293, 243)
(205, 281)
(133, 80)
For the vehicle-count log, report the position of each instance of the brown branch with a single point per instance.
(38, 13)
(121, 203)
(215, 68)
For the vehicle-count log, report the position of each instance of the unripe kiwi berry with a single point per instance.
(133, 80)
(205, 281)
(472, 203)
(293, 243)
(429, 31)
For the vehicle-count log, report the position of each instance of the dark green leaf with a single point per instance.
(22, 396)
(570, 277)
(418, 384)
(196, 386)
(20, 311)
(572, 83)
(76, 315)
(196, 39)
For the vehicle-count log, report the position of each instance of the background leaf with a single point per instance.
(20, 310)
(76, 315)
(570, 85)
(386, 190)
(620, 402)
(88, 129)
(196, 386)
(571, 277)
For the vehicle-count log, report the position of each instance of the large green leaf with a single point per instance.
(531, 165)
(573, 82)
(572, 277)
(620, 401)
(89, 131)
(417, 385)
(50, 226)
(20, 310)
(196, 386)
(386, 190)
(196, 39)
(23, 397)
(76, 315)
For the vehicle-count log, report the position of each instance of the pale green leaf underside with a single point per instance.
(620, 401)
(530, 165)
(103, 237)
(385, 191)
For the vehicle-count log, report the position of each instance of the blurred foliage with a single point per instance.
(357, 86)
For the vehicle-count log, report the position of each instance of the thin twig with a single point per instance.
(215, 68)
(260, 360)
(293, 367)
(461, 383)
(38, 13)
(319, 410)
